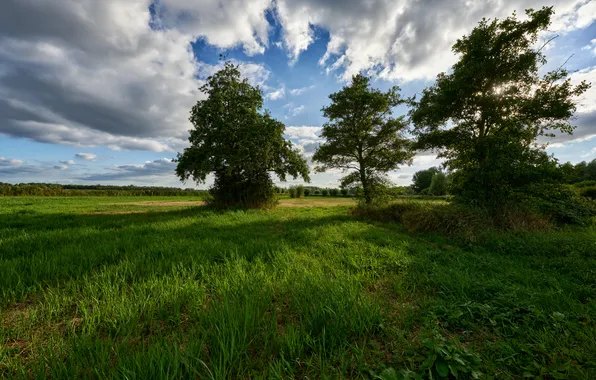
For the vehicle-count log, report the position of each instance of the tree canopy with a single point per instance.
(422, 179)
(238, 143)
(362, 137)
(485, 115)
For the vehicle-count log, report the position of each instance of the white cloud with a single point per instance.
(5, 162)
(60, 167)
(68, 162)
(591, 46)
(159, 168)
(257, 74)
(86, 156)
(299, 91)
(293, 110)
(277, 94)
(303, 132)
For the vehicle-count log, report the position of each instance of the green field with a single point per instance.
(146, 288)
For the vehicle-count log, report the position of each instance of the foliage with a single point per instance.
(344, 192)
(334, 192)
(438, 184)
(56, 190)
(306, 192)
(361, 136)
(422, 179)
(238, 143)
(293, 192)
(496, 106)
(299, 191)
(324, 192)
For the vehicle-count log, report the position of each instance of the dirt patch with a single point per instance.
(117, 212)
(162, 204)
(316, 203)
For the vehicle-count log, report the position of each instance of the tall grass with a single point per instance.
(89, 291)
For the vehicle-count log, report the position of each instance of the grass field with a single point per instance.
(147, 288)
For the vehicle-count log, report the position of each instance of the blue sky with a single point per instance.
(99, 92)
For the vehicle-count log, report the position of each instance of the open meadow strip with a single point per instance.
(189, 292)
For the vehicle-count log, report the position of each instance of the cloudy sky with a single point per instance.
(99, 91)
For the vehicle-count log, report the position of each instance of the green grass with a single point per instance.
(110, 288)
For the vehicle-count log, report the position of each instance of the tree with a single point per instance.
(423, 178)
(306, 192)
(361, 136)
(438, 184)
(238, 143)
(485, 116)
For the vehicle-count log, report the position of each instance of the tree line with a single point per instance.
(51, 189)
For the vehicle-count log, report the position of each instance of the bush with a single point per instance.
(461, 221)
(334, 192)
(299, 191)
(344, 192)
(324, 192)
(438, 185)
(317, 192)
(588, 192)
(306, 192)
(292, 191)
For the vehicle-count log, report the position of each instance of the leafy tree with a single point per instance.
(324, 192)
(334, 192)
(299, 191)
(237, 142)
(344, 192)
(485, 116)
(423, 178)
(361, 136)
(438, 184)
(306, 192)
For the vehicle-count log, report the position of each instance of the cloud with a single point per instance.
(591, 46)
(299, 91)
(277, 94)
(86, 156)
(97, 67)
(68, 162)
(403, 40)
(159, 168)
(60, 167)
(7, 162)
(293, 110)
(303, 132)
(256, 73)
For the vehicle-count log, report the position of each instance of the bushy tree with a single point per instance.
(324, 192)
(299, 191)
(344, 192)
(486, 114)
(334, 192)
(306, 192)
(361, 136)
(438, 184)
(237, 142)
(423, 178)
(293, 192)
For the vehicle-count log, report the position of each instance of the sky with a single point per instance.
(100, 91)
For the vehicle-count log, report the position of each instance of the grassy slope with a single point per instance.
(294, 292)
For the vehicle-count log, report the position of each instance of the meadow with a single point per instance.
(149, 288)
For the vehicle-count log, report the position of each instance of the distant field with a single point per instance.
(146, 288)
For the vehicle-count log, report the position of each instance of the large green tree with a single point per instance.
(362, 137)
(422, 179)
(241, 145)
(485, 116)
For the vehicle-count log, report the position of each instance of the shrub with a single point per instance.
(292, 192)
(317, 192)
(344, 192)
(299, 191)
(306, 192)
(438, 185)
(588, 192)
(324, 192)
(334, 192)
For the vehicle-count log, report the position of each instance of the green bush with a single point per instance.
(324, 192)
(334, 192)
(344, 192)
(317, 192)
(299, 191)
(588, 192)
(292, 191)
(306, 192)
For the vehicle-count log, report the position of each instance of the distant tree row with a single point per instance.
(49, 190)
